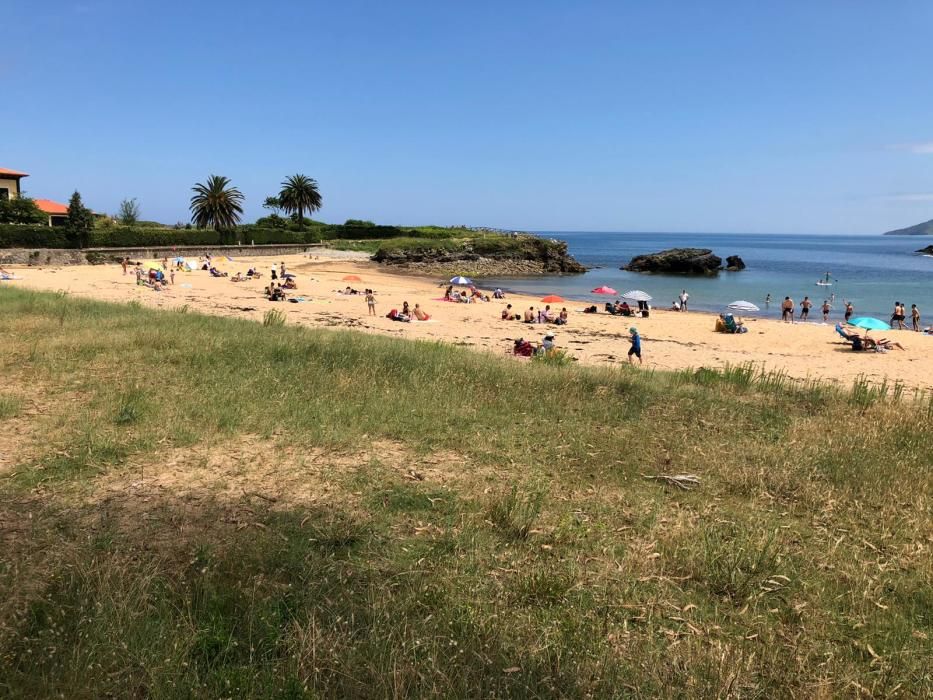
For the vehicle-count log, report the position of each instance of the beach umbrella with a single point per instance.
(552, 299)
(461, 280)
(742, 306)
(152, 265)
(869, 324)
(637, 295)
(352, 278)
(605, 290)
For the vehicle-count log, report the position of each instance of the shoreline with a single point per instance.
(671, 340)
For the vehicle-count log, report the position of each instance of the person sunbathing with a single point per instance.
(420, 314)
(880, 345)
(625, 309)
(290, 283)
(530, 315)
(562, 318)
(217, 273)
(545, 315)
(238, 277)
(507, 314)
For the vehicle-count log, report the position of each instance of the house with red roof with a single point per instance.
(11, 188)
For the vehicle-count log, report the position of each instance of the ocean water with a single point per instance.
(871, 271)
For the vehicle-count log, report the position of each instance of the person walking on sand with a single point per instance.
(635, 350)
(849, 310)
(787, 310)
(915, 317)
(371, 302)
(805, 308)
(826, 308)
(683, 299)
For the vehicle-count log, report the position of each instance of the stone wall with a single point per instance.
(58, 256)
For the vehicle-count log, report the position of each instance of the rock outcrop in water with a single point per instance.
(926, 251)
(734, 263)
(678, 261)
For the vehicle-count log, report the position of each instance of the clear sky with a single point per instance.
(808, 116)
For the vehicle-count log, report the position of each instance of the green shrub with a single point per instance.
(22, 236)
(20, 210)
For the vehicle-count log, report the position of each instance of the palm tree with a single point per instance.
(216, 204)
(299, 193)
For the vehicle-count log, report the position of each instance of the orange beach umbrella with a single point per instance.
(352, 278)
(553, 299)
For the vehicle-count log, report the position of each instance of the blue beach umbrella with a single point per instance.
(869, 324)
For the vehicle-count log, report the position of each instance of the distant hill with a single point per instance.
(924, 229)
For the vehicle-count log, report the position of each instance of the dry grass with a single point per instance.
(203, 507)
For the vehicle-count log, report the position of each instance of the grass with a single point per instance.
(194, 506)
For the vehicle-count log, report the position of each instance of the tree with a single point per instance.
(129, 212)
(273, 204)
(299, 194)
(80, 221)
(21, 210)
(216, 204)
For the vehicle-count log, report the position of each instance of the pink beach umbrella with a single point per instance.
(605, 290)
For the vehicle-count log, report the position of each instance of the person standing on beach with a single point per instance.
(805, 308)
(787, 310)
(635, 350)
(124, 263)
(768, 300)
(683, 303)
(826, 308)
(898, 316)
(849, 310)
(915, 317)
(371, 302)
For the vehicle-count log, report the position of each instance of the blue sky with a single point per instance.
(807, 117)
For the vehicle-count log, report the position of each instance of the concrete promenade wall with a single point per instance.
(69, 256)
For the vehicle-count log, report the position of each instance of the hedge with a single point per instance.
(24, 236)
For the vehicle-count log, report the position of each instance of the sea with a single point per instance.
(873, 272)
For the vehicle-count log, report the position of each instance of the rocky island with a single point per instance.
(926, 251)
(684, 261)
(486, 256)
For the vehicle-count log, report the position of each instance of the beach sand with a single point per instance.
(671, 340)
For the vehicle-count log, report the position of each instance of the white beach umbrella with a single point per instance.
(637, 295)
(461, 280)
(742, 306)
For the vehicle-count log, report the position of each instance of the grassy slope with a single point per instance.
(499, 540)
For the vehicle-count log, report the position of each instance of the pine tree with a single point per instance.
(80, 221)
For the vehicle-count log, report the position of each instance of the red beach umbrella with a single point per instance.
(552, 299)
(605, 290)
(352, 278)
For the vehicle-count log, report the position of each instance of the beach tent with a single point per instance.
(869, 324)
(636, 295)
(742, 306)
(461, 280)
(605, 290)
(190, 266)
(552, 299)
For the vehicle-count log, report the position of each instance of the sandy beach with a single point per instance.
(671, 340)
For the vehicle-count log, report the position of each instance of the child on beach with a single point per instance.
(915, 317)
(371, 302)
(635, 350)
